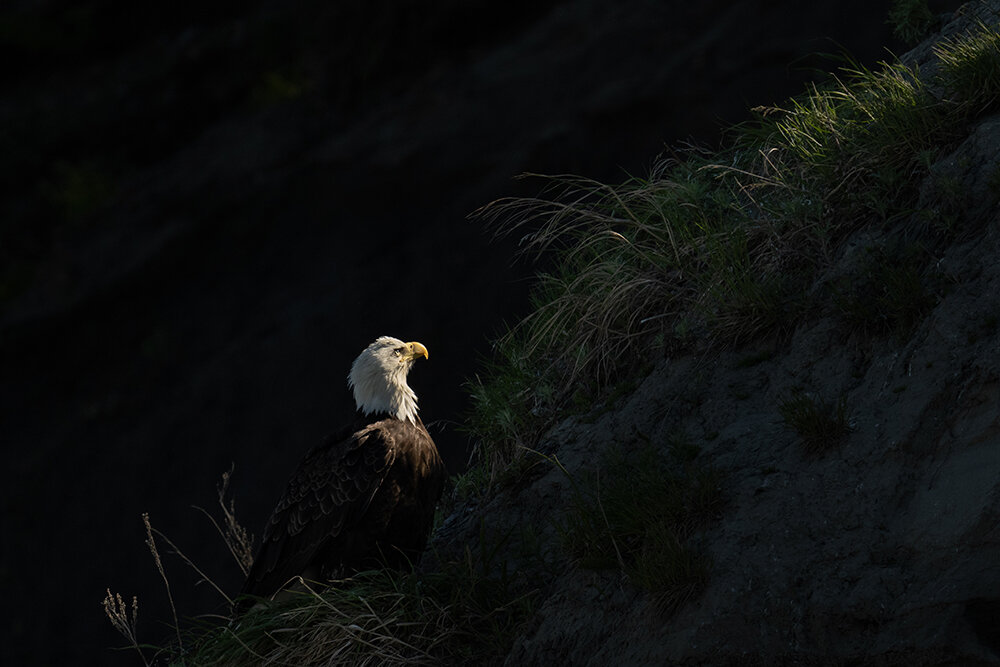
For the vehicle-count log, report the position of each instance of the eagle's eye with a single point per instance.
(398, 351)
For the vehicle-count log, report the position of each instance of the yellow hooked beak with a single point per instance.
(414, 350)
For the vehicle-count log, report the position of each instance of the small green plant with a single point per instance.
(890, 293)
(911, 20)
(820, 424)
(636, 513)
(671, 570)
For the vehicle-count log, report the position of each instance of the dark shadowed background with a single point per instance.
(208, 210)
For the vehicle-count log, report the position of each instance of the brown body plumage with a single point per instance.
(365, 497)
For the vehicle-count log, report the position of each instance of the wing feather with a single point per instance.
(328, 493)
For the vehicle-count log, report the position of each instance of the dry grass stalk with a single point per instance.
(151, 543)
(238, 540)
(123, 619)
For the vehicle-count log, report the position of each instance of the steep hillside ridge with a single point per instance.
(196, 201)
(878, 547)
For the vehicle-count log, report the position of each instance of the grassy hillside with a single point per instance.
(718, 248)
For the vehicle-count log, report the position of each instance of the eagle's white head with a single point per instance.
(378, 378)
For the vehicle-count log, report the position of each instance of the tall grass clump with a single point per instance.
(718, 248)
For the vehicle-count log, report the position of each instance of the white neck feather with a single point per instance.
(378, 389)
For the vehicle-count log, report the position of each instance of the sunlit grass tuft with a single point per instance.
(970, 68)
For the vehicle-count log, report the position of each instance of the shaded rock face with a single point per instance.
(884, 550)
(208, 212)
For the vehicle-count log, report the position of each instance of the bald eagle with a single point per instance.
(364, 497)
